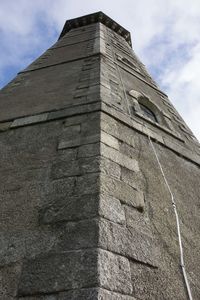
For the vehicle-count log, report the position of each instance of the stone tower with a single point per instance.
(86, 212)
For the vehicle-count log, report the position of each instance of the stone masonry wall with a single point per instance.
(148, 236)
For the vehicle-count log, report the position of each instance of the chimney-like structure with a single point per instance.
(86, 212)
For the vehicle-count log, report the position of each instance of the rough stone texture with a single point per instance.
(85, 213)
(56, 272)
(111, 209)
(119, 158)
(130, 243)
(114, 272)
(82, 294)
(70, 208)
(138, 221)
(9, 278)
(29, 120)
(156, 283)
(5, 126)
(125, 193)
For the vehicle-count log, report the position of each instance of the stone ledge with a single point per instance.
(51, 115)
(5, 126)
(75, 110)
(29, 120)
(57, 64)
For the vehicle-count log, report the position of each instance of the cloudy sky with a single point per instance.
(165, 35)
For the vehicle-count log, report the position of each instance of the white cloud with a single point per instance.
(165, 34)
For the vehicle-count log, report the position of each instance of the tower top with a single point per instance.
(95, 18)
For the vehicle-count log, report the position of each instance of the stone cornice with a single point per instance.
(95, 18)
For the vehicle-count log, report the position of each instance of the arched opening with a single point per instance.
(147, 112)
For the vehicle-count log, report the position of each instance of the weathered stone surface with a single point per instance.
(107, 295)
(9, 277)
(5, 126)
(27, 243)
(57, 272)
(119, 158)
(66, 155)
(114, 272)
(79, 141)
(87, 91)
(93, 294)
(91, 125)
(88, 118)
(110, 112)
(88, 184)
(82, 207)
(29, 120)
(89, 150)
(134, 179)
(151, 283)
(79, 109)
(109, 140)
(15, 217)
(77, 235)
(129, 242)
(137, 220)
(153, 135)
(75, 269)
(123, 192)
(70, 132)
(48, 297)
(83, 294)
(110, 168)
(59, 188)
(28, 148)
(117, 130)
(69, 208)
(111, 209)
(128, 150)
(89, 164)
(64, 168)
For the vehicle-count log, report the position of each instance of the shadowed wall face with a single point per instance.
(85, 213)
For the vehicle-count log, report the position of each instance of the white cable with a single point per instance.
(182, 264)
